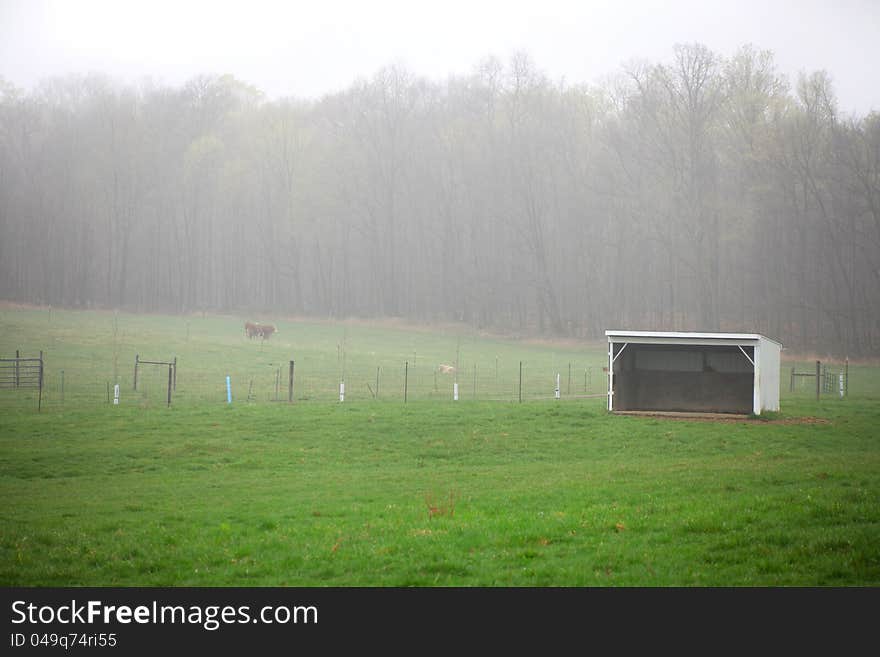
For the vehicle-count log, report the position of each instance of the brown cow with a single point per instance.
(251, 329)
(266, 331)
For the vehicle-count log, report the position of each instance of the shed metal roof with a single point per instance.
(684, 336)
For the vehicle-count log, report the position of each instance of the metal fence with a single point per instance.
(164, 379)
(22, 374)
(825, 379)
(172, 382)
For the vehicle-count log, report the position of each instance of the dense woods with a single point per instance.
(699, 193)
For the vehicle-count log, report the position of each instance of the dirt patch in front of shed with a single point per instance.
(723, 418)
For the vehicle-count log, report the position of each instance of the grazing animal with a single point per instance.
(446, 369)
(262, 331)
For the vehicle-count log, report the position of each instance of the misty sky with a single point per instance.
(311, 48)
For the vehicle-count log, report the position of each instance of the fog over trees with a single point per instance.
(698, 193)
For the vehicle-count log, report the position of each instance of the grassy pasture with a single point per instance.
(97, 348)
(428, 493)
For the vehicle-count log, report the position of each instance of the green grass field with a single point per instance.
(94, 349)
(375, 492)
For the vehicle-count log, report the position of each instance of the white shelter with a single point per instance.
(692, 372)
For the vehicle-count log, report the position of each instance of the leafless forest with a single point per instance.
(698, 193)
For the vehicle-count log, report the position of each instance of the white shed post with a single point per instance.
(756, 391)
(610, 376)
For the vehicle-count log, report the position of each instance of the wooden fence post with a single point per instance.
(520, 381)
(818, 379)
(290, 384)
(136, 359)
(40, 384)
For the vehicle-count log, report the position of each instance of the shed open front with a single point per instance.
(683, 377)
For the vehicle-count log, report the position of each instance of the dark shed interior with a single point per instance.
(689, 378)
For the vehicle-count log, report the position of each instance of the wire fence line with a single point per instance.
(153, 384)
(147, 383)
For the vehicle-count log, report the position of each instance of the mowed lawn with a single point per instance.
(431, 492)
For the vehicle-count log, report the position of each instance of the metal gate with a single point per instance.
(22, 373)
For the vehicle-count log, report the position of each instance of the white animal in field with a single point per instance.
(445, 369)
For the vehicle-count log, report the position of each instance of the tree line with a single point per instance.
(699, 193)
